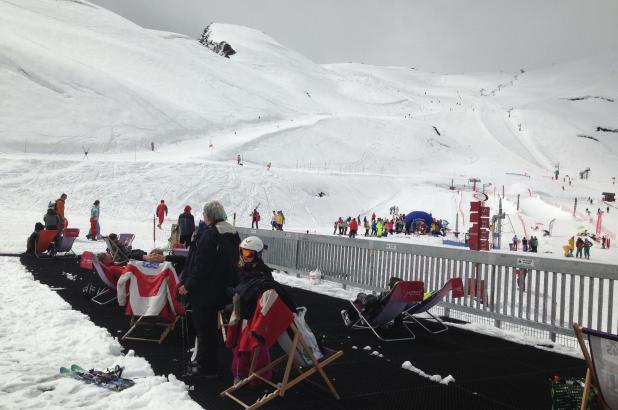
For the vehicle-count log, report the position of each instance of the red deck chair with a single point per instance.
(403, 294)
(455, 285)
(68, 238)
(44, 240)
(109, 280)
(271, 319)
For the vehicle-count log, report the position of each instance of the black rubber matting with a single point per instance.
(490, 373)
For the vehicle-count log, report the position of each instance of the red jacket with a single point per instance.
(161, 209)
(353, 225)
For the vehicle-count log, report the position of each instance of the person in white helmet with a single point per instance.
(254, 278)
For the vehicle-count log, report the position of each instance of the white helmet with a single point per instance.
(252, 243)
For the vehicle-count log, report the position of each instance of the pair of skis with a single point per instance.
(109, 379)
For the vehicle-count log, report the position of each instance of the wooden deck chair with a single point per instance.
(455, 285)
(108, 280)
(404, 293)
(294, 371)
(602, 363)
(120, 257)
(66, 245)
(147, 290)
(44, 239)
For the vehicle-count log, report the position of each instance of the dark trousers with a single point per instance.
(205, 323)
(185, 240)
(254, 222)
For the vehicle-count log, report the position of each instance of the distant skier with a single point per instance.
(353, 228)
(186, 226)
(161, 212)
(587, 246)
(238, 159)
(579, 245)
(273, 221)
(255, 218)
(515, 242)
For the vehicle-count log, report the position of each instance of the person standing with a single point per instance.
(255, 218)
(95, 227)
(353, 228)
(209, 273)
(161, 212)
(515, 242)
(579, 244)
(587, 246)
(186, 226)
(273, 221)
(59, 205)
(280, 220)
(51, 219)
(524, 244)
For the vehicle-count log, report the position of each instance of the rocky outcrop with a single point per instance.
(222, 48)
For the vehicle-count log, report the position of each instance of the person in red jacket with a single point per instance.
(255, 218)
(161, 212)
(353, 228)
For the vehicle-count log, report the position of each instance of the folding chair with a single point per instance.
(43, 241)
(118, 254)
(302, 369)
(147, 290)
(68, 238)
(602, 362)
(126, 238)
(108, 280)
(403, 294)
(455, 285)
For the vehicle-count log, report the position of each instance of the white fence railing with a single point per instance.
(526, 290)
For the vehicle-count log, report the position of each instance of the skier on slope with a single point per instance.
(161, 212)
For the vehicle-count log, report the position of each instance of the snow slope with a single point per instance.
(35, 343)
(75, 77)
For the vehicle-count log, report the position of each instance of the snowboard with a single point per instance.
(109, 379)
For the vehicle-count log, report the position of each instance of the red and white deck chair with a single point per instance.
(404, 293)
(148, 290)
(43, 241)
(66, 245)
(109, 280)
(602, 362)
(454, 285)
(271, 320)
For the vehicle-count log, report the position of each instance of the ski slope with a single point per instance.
(75, 77)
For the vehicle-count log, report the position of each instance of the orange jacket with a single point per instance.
(60, 207)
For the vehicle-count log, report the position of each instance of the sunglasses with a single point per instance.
(247, 253)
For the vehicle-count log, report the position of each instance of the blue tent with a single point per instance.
(412, 216)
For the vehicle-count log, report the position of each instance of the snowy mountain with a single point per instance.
(75, 77)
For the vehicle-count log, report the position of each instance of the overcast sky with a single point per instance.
(433, 35)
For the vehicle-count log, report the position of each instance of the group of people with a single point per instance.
(218, 269)
(277, 220)
(582, 245)
(382, 227)
(527, 245)
(53, 220)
